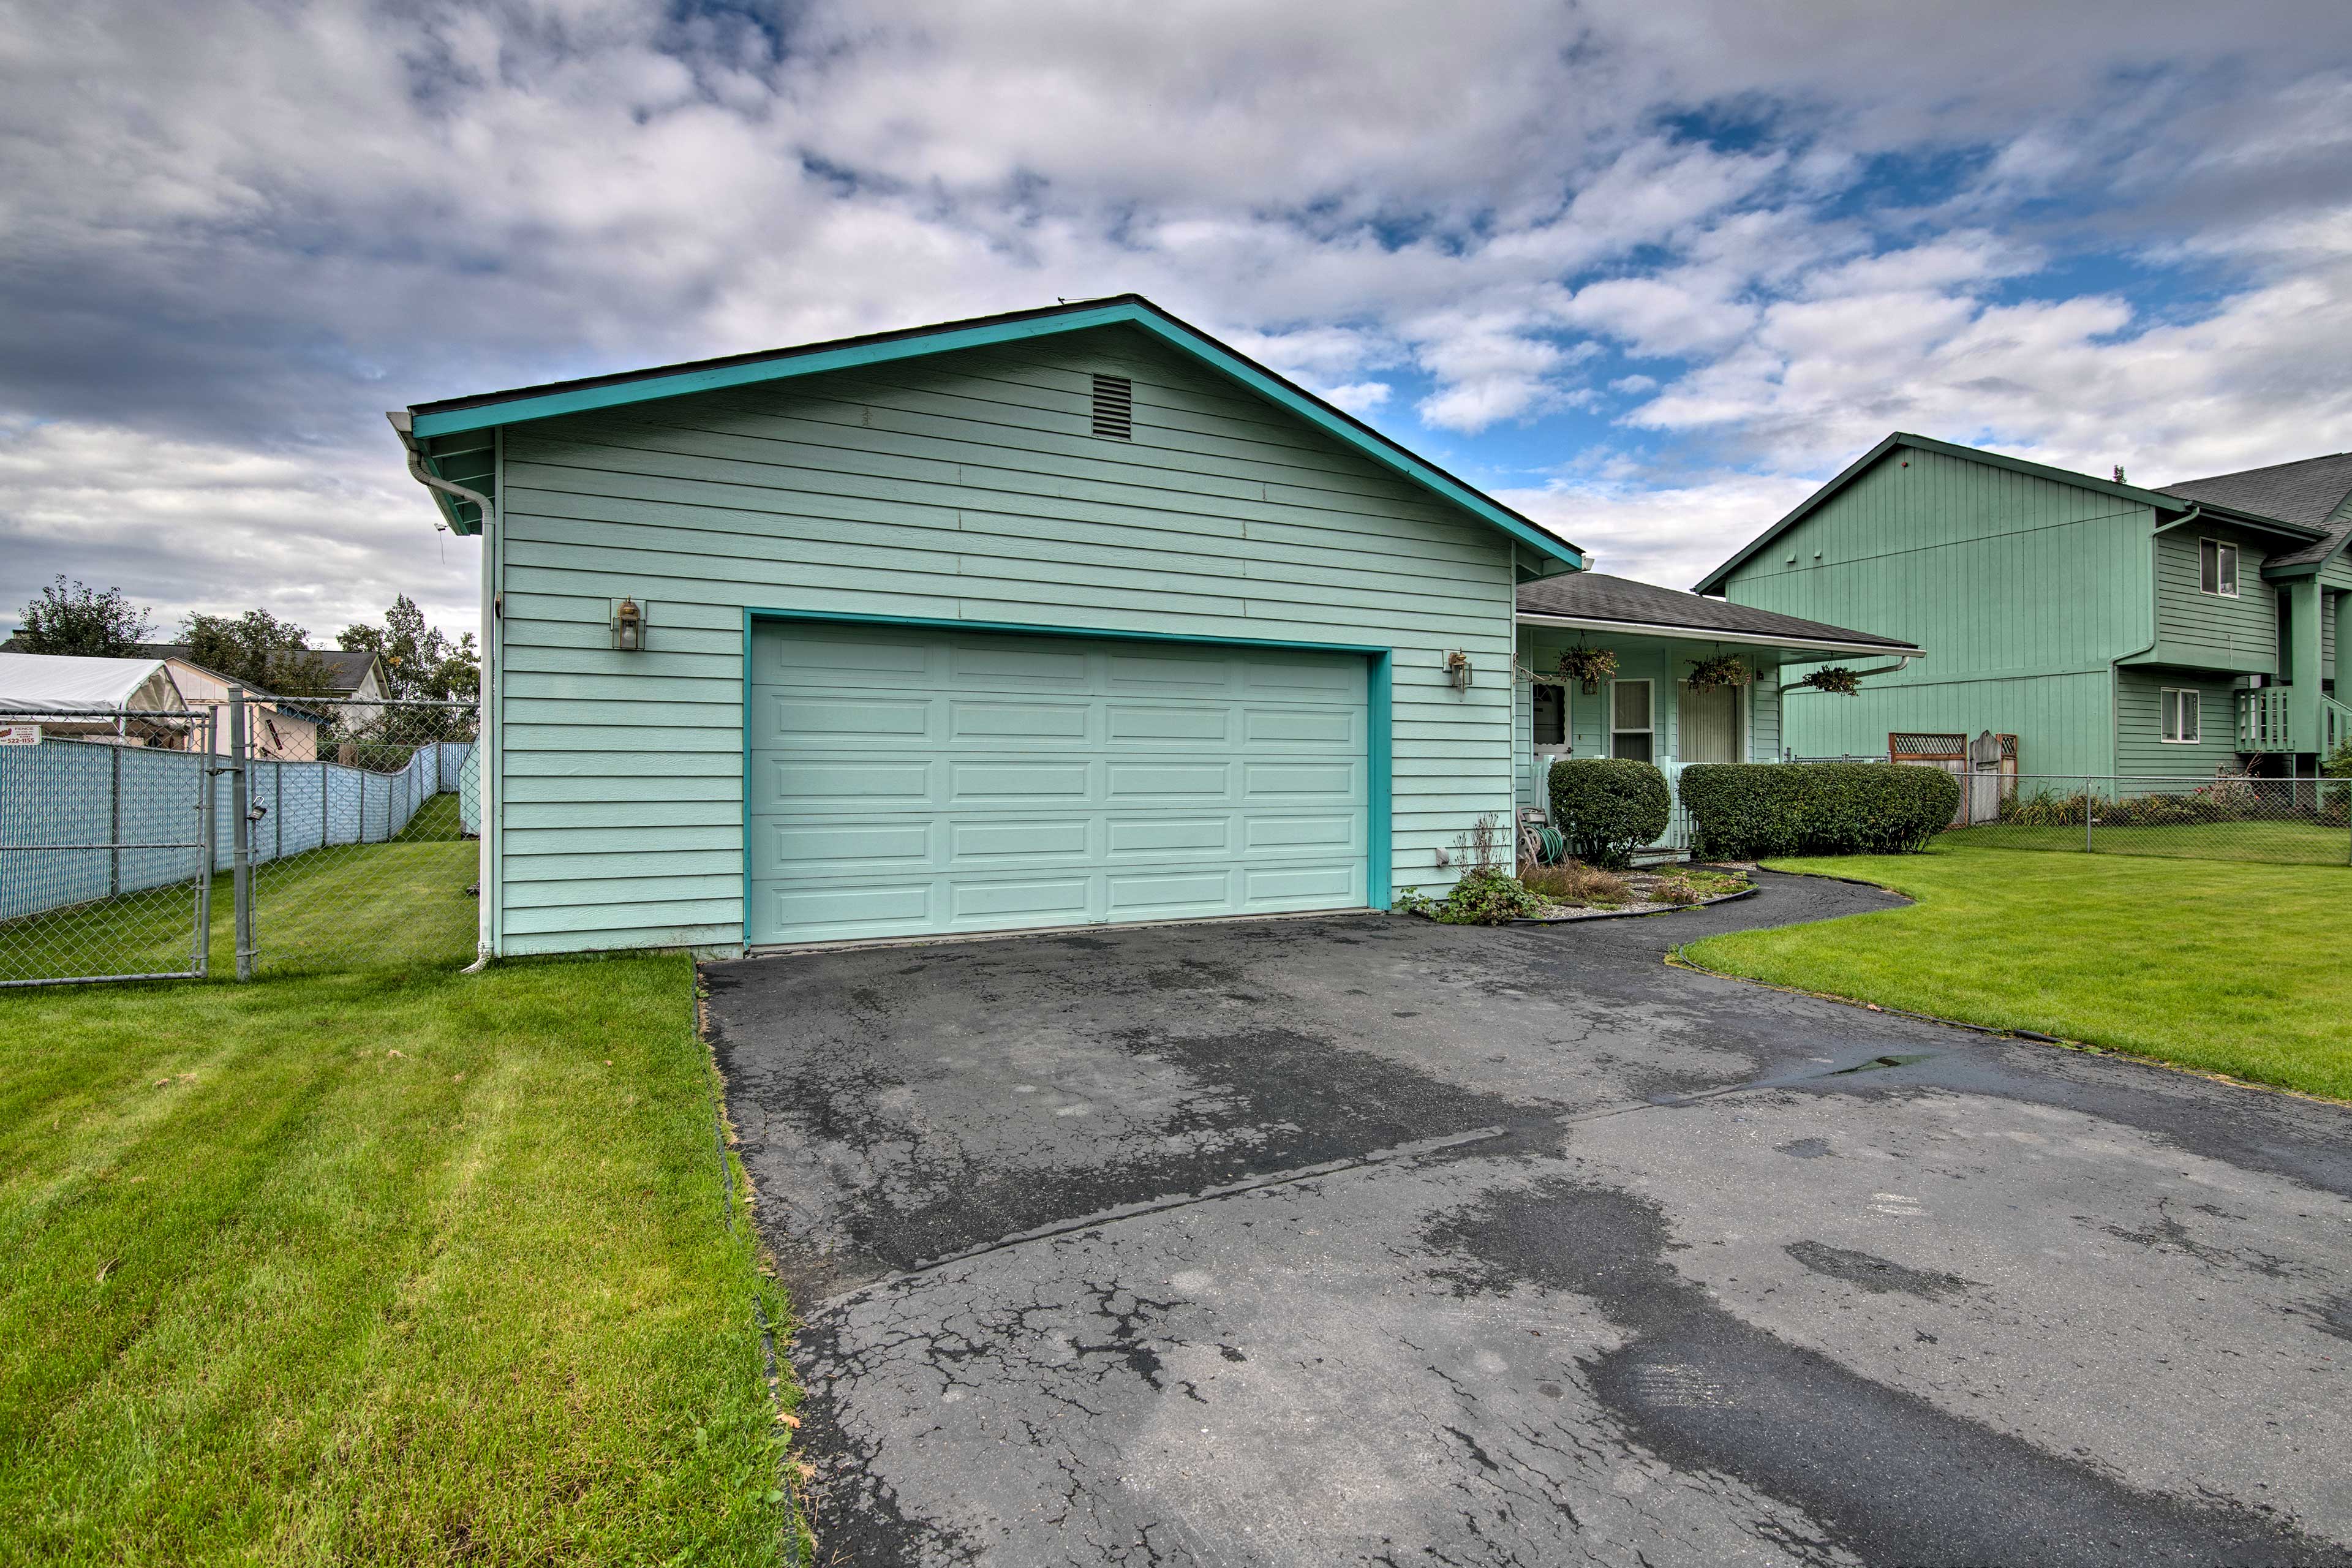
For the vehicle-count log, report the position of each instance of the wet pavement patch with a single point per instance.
(1886, 1474)
(1879, 1275)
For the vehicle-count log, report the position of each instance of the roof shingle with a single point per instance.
(2313, 492)
(1598, 596)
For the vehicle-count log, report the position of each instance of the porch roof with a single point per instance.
(1597, 602)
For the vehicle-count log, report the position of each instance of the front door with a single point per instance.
(1710, 724)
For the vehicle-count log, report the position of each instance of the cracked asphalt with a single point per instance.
(1365, 1240)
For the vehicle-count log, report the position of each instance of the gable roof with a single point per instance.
(1598, 598)
(344, 668)
(2315, 490)
(435, 432)
(2164, 504)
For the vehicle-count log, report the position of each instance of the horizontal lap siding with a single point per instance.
(2212, 630)
(961, 489)
(2140, 746)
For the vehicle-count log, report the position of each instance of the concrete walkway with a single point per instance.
(1368, 1240)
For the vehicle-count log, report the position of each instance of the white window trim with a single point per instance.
(2195, 708)
(2235, 559)
(1650, 730)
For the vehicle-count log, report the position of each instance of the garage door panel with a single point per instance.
(977, 844)
(1165, 723)
(1304, 728)
(863, 908)
(1301, 887)
(1339, 833)
(1172, 670)
(1027, 723)
(825, 659)
(1193, 837)
(1037, 662)
(1130, 783)
(1327, 678)
(814, 785)
(982, 781)
(1173, 895)
(1006, 784)
(1293, 781)
(780, 850)
(1056, 900)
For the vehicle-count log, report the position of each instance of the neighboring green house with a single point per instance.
(2112, 629)
(1647, 709)
(1064, 617)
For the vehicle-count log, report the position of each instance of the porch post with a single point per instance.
(2306, 659)
(2343, 648)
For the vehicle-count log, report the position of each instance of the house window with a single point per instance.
(2218, 567)
(1550, 718)
(1629, 726)
(2182, 714)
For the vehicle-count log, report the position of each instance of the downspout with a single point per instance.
(417, 471)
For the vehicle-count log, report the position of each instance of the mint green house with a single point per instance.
(2112, 629)
(1058, 618)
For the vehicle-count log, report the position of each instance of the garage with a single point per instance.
(911, 781)
(1071, 617)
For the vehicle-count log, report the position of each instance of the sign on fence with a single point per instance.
(20, 734)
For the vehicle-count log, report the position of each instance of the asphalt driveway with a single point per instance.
(1368, 1240)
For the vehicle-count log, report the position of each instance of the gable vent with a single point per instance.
(1114, 407)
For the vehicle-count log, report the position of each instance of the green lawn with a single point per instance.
(2287, 843)
(2236, 968)
(375, 1261)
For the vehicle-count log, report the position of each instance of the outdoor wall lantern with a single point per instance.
(629, 625)
(1457, 670)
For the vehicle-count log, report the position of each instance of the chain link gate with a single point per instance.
(358, 822)
(110, 836)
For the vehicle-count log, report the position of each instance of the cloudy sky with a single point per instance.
(1647, 269)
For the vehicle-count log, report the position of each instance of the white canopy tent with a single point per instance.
(61, 683)
(95, 699)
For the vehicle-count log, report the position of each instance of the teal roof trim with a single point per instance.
(433, 423)
(2170, 505)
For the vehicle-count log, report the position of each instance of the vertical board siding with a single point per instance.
(2022, 590)
(964, 488)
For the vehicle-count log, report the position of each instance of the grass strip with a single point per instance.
(2227, 967)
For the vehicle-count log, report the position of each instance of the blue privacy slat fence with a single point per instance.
(90, 792)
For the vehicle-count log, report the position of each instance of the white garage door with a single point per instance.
(908, 782)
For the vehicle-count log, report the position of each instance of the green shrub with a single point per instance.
(1607, 807)
(1748, 810)
(1486, 896)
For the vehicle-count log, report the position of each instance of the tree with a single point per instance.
(419, 661)
(75, 618)
(258, 650)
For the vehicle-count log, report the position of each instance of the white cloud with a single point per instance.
(233, 234)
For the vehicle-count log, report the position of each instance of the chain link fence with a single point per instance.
(2298, 821)
(106, 836)
(286, 833)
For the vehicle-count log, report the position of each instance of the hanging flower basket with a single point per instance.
(1835, 679)
(1587, 666)
(1724, 670)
